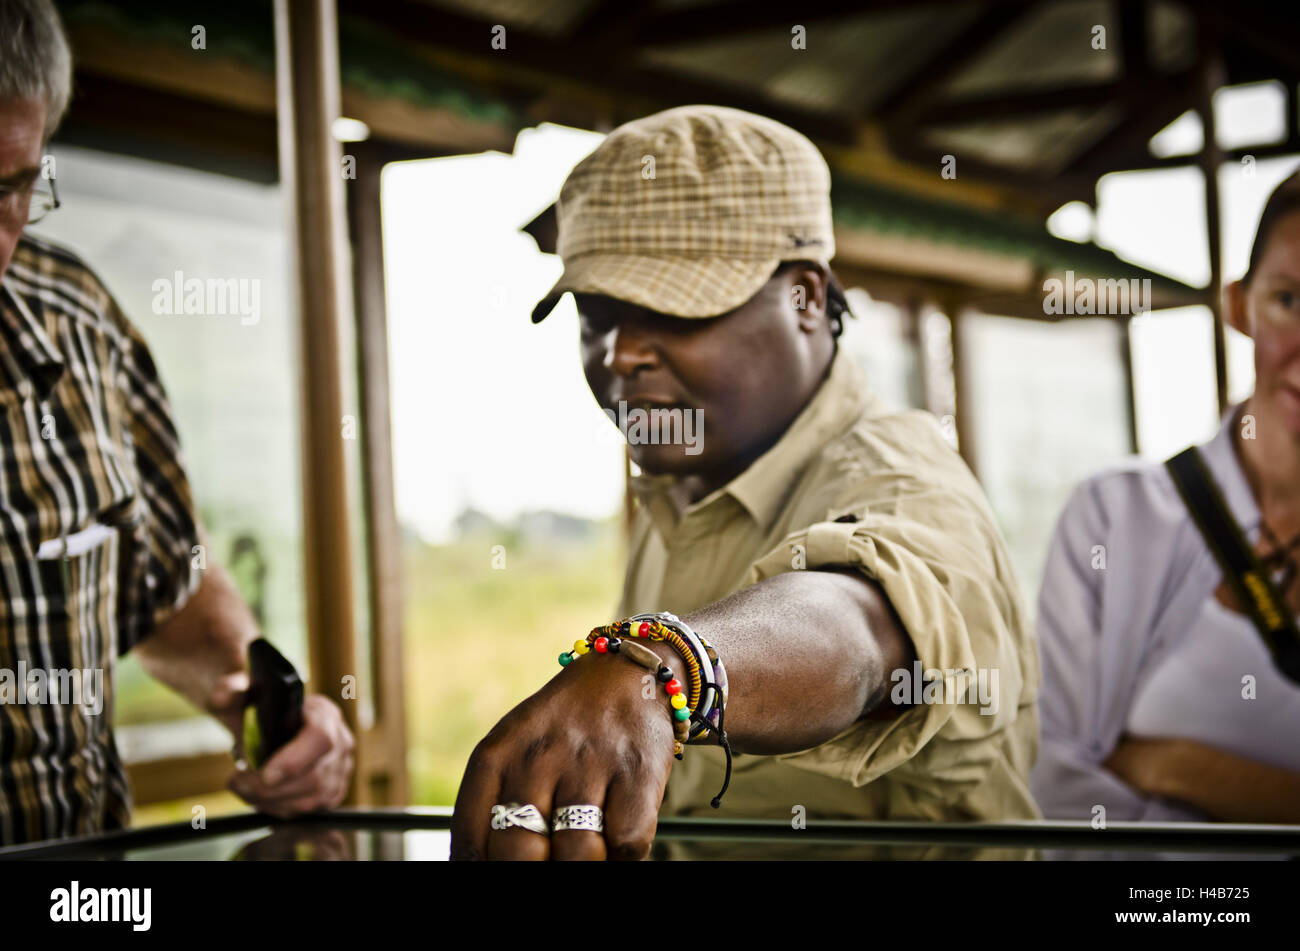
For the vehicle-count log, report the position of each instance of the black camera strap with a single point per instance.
(1242, 569)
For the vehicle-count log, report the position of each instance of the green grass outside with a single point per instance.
(478, 640)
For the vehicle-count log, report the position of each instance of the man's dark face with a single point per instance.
(750, 371)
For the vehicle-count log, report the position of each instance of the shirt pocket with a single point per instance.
(89, 583)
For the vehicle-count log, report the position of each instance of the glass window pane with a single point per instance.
(229, 367)
(878, 338)
(509, 478)
(1173, 373)
(1049, 408)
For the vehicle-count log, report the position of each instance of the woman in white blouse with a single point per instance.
(1160, 699)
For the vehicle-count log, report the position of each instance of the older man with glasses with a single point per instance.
(97, 524)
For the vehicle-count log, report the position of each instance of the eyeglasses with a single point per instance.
(44, 200)
(41, 200)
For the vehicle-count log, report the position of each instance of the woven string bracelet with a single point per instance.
(650, 661)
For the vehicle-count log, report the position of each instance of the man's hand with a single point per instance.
(597, 734)
(591, 736)
(201, 653)
(312, 771)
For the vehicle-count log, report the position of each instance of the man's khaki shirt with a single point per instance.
(851, 483)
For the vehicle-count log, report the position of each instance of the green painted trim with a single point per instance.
(243, 31)
(864, 206)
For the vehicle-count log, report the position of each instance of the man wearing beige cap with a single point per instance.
(844, 616)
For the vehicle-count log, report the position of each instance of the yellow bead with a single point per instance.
(677, 700)
(580, 647)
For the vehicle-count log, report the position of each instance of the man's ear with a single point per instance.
(808, 295)
(1235, 314)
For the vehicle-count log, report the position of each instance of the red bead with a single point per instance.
(673, 686)
(644, 629)
(602, 645)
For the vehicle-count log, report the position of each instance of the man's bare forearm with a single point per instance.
(807, 652)
(200, 652)
(1228, 787)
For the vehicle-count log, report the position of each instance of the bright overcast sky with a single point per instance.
(489, 410)
(492, 412)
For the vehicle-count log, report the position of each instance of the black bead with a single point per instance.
(613, 645)
(664, 675)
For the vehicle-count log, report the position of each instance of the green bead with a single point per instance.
(682, 714)
(566, 659)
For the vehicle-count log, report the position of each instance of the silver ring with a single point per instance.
(515, 815)
(578, 818)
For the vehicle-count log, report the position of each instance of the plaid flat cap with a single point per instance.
(689, 211)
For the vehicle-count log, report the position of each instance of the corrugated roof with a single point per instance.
(841, 67)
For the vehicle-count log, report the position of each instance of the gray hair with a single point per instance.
(35, 62)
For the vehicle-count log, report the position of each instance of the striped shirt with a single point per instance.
(97, 528)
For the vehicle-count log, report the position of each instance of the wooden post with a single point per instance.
(1130, 388)
(629, 498)
(963, 402)
(1211, 78)
(914, 335)
(308, 96)
(383, 768)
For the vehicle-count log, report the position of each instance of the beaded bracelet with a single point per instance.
(669, 627)
(649, 660)
(707, 703)
(650, 627)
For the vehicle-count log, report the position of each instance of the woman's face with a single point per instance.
(1268, 309)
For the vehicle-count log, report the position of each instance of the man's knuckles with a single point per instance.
(627, 848)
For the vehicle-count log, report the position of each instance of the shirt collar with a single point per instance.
(1220, 455)
(839, 402)
(26, 339)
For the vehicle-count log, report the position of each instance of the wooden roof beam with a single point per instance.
(729, 18)
(1277, 40)
(1133, 38)
(1049, 192)
(1044, 101)
(1154, 109)
(614, 21)
(1133, 163)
